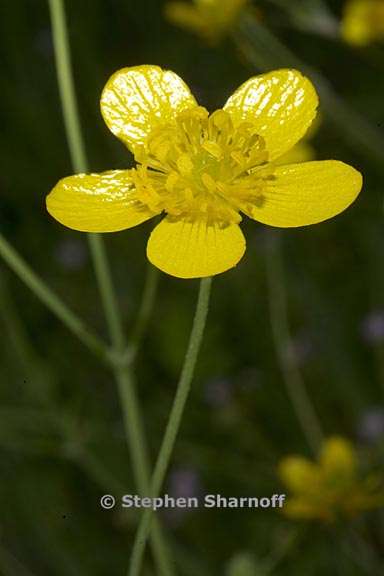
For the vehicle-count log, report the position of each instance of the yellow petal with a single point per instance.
(364, 496)
(302, 509)
(299, 474)
(281, 105)
(302, 152)
(338, 458)
(303, 194)
(186, 16)
(211, 19)
(194, 249)
(137, 100)
(97, 202)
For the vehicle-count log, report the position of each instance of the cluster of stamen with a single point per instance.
(203, 166)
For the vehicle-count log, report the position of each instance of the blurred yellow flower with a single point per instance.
(331, 488)
(363, 21)
(203, 170)
(210, 19)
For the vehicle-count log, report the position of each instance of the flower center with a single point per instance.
(202, 166)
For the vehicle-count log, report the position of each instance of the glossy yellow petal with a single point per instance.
(137, 100)
(299, 474)
(363, 21)
(338, 459)
(302, 152)
(303, 194)
(97, 202)
(194, 249)
(280, 104)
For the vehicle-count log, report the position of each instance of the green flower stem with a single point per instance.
(362, 553)
(145, 310)
(123, 376)
(15, 330)
(40, 381)
(10, 566)
(266, 52)
(173, 424)
(51, 300)
(282, 550)
(312, 16)
(292, 377)
(67, 92)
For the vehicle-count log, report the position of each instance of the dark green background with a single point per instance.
(61, 437)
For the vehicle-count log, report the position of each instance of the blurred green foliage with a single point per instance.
(61, 436)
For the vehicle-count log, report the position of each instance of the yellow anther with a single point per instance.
(171, 181)
(188, 192)
(202, 165)
(214, 149)
(238, 157)
(185, 165)
(221, 119)
(208, 182)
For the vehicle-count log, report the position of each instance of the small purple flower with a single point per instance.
(371, 425)
(300, 348)
(218, 392)
(184, 483)
(372, 328)
(71, 254)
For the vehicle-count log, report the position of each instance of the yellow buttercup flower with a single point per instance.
(331, 488)
(363, 21)
(304, 150)
(203, 170)
(210, 19)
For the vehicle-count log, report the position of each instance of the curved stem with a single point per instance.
(292, 377)
(51, 300)
(174, 422)
(40, 380)
(132, 417)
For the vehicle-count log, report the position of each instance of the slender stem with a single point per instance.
(16, 332)
(50, 299)
(282, 550)
(10, 566)
(145, 310)
(362, 553)
(174, 422)
(311, 15)
(292, 377)
(107, 292)
(132, 417)
(133, 423)
(40, 379)
(97, 470)
(66, 87)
